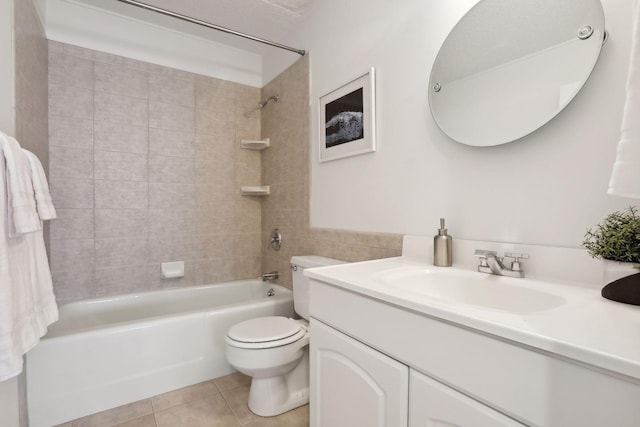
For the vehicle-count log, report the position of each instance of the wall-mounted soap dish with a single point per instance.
(262, 190)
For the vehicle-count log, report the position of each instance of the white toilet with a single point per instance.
(274, 350)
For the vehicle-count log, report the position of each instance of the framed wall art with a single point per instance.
(347, 119)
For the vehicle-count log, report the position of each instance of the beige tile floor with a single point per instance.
(217, 403)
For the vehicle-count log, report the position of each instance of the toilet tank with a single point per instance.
(301, 282)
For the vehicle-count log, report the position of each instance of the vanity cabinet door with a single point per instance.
(432, 404)
(353, 384)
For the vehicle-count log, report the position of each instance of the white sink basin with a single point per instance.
(481, 290)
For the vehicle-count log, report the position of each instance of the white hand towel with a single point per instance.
(46, 210)
(625, 178)
(22, 213)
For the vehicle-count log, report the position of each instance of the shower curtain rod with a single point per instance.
(212, 26)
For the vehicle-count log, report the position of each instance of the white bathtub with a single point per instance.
(103, 353)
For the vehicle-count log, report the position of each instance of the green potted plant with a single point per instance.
(616, 240)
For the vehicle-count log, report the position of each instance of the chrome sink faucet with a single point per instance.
(492, 264)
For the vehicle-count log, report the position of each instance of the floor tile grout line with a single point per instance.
(203, 397)
(235, 415)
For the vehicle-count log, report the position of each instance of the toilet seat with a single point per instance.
(265, 332)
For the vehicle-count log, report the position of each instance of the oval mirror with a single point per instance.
(510, 66)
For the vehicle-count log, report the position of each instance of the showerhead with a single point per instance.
(264, 102)
(261, 105)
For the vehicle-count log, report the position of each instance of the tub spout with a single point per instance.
(272, 275)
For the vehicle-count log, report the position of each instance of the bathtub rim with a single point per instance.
(282, 294)
(177, 290)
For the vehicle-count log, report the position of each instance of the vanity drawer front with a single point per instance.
(525, 384)
(433, 404)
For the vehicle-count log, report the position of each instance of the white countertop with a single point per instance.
(586, 328)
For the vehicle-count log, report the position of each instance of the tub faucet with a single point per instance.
(272, 275)
(492, 264)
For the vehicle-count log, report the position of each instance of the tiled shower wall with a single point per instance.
(145, 167)
(31, 81)
(285, 166)
(31, 115)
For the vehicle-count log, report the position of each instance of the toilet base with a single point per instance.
(273, 396)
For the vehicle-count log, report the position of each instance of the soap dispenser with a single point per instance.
(442, 247)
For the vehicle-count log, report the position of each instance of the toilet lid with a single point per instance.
(263, 329)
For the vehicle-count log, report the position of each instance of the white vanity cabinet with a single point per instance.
(375, 363)
(354, 385)
(434, 404)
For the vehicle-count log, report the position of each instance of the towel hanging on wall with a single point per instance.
(44, 204)
(625, 178)
(27, 303)
(21, 202)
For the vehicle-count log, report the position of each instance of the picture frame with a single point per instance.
(347, 119)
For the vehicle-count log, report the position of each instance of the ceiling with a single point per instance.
(267, 19)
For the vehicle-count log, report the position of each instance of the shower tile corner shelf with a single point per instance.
(255, 190)
(256, 145)
(249, 144)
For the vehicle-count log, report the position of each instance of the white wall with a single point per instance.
(41, 10)
(95, 28)
(7, 91)
(546, 188)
